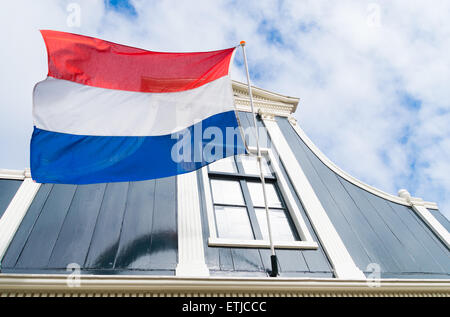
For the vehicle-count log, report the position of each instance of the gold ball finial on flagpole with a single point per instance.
(242, 43)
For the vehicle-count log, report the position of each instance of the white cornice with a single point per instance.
(13, 174)
(263, 100)
(101, 285)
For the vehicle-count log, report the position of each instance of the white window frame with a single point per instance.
(18, 206)
(306, 243)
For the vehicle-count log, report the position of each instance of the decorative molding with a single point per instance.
(265, 244)
(27, 173)
(279, 110)
(418, 205)
(342, 262)
(263, 100)
(292, 120)
(191, 255)
(52, 285)
(348, 177)
(266, 115)
(13, 215)
(12, 174)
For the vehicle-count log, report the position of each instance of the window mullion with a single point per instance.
(288, 215)
(239, 166)
(213, 206)
(231, 205)
(251, 211)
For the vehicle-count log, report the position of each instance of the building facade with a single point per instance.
(204, 233)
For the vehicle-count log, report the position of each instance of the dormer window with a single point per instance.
(235, 205)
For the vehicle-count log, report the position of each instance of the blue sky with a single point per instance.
(372, 76)
(121, 6)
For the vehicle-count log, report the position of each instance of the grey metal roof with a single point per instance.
(441, 218)
(8, 188)
(131, 228)
(111, 228)
(373, 229)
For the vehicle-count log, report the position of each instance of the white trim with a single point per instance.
(263, 100)
(220, 242)
(338, 254)
(191, 255)
(419, 207)
(101, 285)
(435, 225)
(12, 174)
(300, 225)
(279, 109)
(296, 215)
(208, 203)
(347, 176)
(13, 215)
(241, 89)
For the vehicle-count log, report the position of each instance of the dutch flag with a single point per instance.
(109, 113)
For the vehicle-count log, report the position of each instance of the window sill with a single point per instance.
(300, 245)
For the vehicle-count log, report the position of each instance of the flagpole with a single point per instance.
(273, 256)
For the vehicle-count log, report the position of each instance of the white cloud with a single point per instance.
(352, 75)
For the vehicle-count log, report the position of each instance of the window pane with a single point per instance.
(281, 230)
(227, 192)
(233, 223)
(256, 193)
(226, 165)
(251, 166)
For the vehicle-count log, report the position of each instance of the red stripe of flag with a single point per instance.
(95, 62)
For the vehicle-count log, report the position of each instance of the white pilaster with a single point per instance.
(418, 206)
(191, 255)
(342, 262)
(17, 208)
